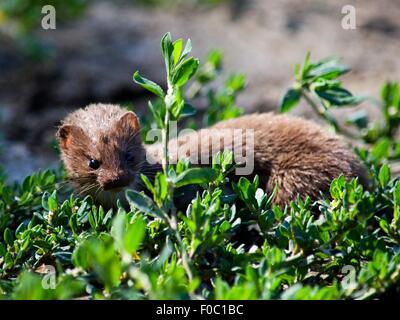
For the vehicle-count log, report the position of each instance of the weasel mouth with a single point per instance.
(116, 184)
(116, 190)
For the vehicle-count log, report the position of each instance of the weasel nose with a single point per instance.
(117, 182)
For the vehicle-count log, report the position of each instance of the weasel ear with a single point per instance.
(129, 121)
(67, 134)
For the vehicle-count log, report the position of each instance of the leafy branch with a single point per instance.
(318, 85)
(180, 69)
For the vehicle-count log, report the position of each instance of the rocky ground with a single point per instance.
(93, 59)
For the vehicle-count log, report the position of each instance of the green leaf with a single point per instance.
(118, 226)
(247, 192)
(306, 66)
(21, 228)
(266, 219)
(8, 261)
(235, 82)
(396, 193)
(289, 100)
(383, 224)
(147, 182)
(2, 250)
(167, 49)
(52, 202)
(157, 114)
(384, 175)
(336, 187)
(161, 186)
(176, 109)
(99, 254)
(8, 238)
(338, 96)
(134, 234)
(185, 71)
(187, 50)
(143, 203)
(177, 50)
(396, 199)
(358, 118)
(188, 110)
(195, 176)
(148, 85)
(92, 220)
(390, 94)
(225, 226)
(381, 149)
(73, 223)
(328, 69)
(45, 200)
(107, 217)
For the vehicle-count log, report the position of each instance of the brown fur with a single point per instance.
(295, 154)
(108, 134)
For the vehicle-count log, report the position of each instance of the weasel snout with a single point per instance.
(115, 182)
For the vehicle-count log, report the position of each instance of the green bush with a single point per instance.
(230, 243)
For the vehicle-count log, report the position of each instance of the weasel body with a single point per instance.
(103, 153)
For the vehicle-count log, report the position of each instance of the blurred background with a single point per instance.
(97, 45)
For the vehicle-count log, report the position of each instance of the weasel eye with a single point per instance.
(129, 157)
(94, 164)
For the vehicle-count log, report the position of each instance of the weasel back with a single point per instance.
(297, 155)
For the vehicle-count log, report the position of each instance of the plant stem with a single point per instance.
(322, 113)
(173, 223)
(165, 131)
(172, 219)
(184, 255)
(165, 134)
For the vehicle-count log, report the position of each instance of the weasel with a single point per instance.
(103, 153)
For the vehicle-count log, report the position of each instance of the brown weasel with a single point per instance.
(103, 153)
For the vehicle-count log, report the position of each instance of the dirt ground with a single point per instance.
(93, 59)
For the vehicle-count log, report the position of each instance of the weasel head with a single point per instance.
(102, 151)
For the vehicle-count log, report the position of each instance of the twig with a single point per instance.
(322, 113)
